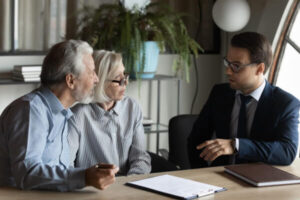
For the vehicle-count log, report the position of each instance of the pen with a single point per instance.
(103, 166)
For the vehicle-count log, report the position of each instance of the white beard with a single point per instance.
(79, 96)
(86, 100)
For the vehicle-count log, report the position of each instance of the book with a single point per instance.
(28, 68)
(25, 79)
(260, 174)
(26, 74)
(147, 122)
(176, 187)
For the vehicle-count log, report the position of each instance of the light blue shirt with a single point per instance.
(34, 152)
(250, 111)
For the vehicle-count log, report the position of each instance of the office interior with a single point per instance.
(267, 17)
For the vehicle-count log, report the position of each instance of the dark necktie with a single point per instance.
(242, 123)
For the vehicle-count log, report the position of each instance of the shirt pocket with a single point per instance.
(55, 131)
(52, 148)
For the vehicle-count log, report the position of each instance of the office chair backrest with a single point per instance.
(160, 164)
(180, 128)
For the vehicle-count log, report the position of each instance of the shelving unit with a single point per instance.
(158, 127)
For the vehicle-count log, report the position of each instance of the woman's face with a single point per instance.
(116, 87)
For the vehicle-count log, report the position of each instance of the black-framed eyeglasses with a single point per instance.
(123, 81)
(235, 67)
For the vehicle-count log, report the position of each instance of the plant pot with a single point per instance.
(151, 59)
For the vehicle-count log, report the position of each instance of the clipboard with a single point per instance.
(176, 187)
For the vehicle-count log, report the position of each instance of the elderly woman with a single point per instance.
(110, 130)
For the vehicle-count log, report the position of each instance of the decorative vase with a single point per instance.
(151, 59)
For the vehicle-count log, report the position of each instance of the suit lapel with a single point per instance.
(224, 112)
(229, 107)
(263, 109)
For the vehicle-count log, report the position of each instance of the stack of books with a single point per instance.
(147, 122)
(27, 73)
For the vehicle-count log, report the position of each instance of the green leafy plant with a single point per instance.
(113, 27)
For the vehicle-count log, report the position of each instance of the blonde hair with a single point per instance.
(106, 65)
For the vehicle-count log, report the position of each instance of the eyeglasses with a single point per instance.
(123, 81)
(235, 67)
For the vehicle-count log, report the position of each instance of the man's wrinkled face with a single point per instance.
(87, 80)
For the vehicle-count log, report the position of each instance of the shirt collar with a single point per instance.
(256, 94)
(117, 108)
(54, 103)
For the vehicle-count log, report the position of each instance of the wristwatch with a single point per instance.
(233, 144)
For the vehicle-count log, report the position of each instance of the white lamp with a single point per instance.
(231, 15)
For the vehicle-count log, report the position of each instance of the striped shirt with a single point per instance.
(115, 136)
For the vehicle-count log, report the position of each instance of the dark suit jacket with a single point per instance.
(274, 132)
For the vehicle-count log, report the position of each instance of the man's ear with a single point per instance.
(70, 81)
(260, 68)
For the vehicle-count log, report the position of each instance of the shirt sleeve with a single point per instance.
(139, 159)
(29, 130)
(283, 149)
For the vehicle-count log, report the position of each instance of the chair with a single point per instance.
(160, 164)
(180, 128)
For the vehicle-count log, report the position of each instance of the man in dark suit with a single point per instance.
(247, 119)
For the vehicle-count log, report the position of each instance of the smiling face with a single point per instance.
(248, 78)
(114, 90)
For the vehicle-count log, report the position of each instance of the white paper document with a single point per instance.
(176, 187)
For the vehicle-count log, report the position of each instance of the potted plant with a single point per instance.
(133, 29)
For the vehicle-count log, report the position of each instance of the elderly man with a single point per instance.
(34, 151)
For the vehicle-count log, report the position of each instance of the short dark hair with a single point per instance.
(257, 45)
(64, 58)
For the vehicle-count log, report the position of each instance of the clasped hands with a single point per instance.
(212, 149)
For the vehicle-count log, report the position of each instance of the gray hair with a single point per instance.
(64, 58)
(106, 65)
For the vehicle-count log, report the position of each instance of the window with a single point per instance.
(286, 64)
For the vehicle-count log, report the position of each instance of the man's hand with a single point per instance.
(215, 148)
(101, 175)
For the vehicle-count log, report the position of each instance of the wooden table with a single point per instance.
(215, 175)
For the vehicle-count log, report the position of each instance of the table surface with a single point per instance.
(236, 189)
